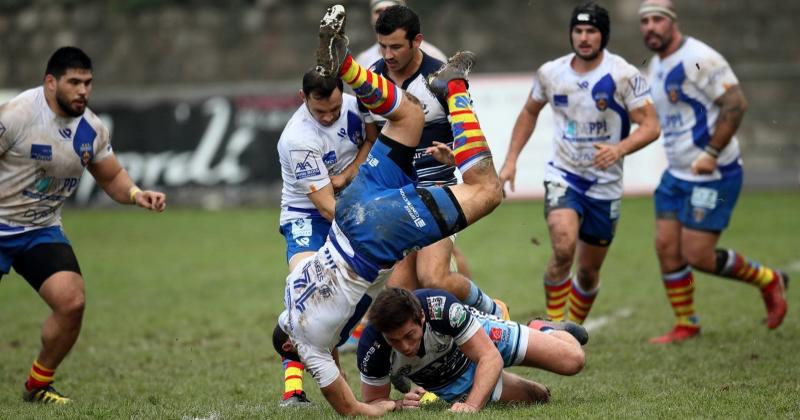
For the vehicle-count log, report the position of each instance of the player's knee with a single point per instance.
(664, 247)
(588, 277)
(574, 360)
(71, 306)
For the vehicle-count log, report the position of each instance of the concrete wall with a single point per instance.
(145, 46)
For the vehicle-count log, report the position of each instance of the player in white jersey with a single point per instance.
(458, 352)
(372, 54)
(399, 33)
(48, 136)
(382, 215)
(700, 105)
(595, 96)
(319, 150)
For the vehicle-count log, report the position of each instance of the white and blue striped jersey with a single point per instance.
(42, 158)
(589, 108)
(685, 86)
(310, 153)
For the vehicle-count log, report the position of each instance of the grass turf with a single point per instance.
(181, 305)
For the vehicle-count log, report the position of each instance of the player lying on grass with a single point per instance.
(458, 352)
(382, 215)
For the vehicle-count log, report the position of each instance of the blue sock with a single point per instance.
(481, 301)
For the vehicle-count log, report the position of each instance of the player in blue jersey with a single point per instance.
(48, 138)
(700, 104)
(459, 353)
(382, 215)
(398, 29)
(595, 96)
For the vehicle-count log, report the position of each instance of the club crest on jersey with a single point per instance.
(86, 153)
(673, 93)
(42, 152)
(436, 307)
(457, 315)
(496, 334)
(601, 100)
(698, 213)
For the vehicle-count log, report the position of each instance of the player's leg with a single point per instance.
(676, 273)
(562, 212)
(480, 192)
(517, 389)
(462, 266)
(376, 93)
(700, 249)
(433, 271)
(53, 271)
(404, 273)
(587, 283)
(554, 350)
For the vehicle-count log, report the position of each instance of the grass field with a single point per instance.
(180, 308)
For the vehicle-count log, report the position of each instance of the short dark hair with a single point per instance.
(398, 17)
(392, 308)
(320, 86)
(66, 58)
(279, 337)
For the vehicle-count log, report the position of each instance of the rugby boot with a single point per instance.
(575, 330)
(44, 395)
(774, 296)
(333, 43)
(457, 67)
(678, 333)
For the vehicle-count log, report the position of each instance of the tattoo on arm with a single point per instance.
(732, 106)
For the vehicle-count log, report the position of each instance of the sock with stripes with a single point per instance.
(680, 292)
(556, 294)
(580, 302)
(469, 144)
(292, 378)
(375, 92)
(734, 265)
(39, 376)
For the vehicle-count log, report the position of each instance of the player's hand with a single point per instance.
(607, 155)
(508, 173)
(463, 408)
(412, 398)
(338, 182)
(442, 153)
(704, 164)
(151, 200)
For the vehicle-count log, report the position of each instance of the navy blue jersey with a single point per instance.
(437, 127)
(448, 324)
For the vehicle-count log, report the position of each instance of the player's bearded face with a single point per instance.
(73, 90)
(397, 50)
(586, 41)
(657, 32)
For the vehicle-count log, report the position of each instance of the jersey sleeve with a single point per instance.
(103, 144)
(538, 93)
(8, 124)
(446, 315)
(635, 89)
(712, 74)
(307, 172)
(373, 357)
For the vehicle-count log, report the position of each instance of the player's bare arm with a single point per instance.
(343, 179)
(732, 106)
(480, 349)
(648, 131)
(342, 400)
(324, 200)
(116, 182)
(520, 134)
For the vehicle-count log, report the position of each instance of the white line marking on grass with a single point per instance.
(211, 416)
(596, 323)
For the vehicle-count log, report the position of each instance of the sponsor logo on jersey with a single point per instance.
(560, 100)
(342, 133)
(457, 315)
(304, 164)
(42, 152)
(496, 334)
(330, 157)
(436, 307)
(412, 211)
(583, 85)
(66, 133)
(639, 86)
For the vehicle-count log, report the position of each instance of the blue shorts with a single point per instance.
(511, 340)
(306, 234)
(385, 215)
(11, 246)
(704, 206)
(598, 217)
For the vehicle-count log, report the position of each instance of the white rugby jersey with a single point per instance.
(589, 108)
(42, 158)
(309, 153)
(685, 85)
(325, 297)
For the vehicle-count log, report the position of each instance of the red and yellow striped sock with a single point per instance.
(735, 266)
(377, 93)
(292, 378)
(680, 292)
(469, 144)
(556, 294)
(39, 376)
(580, 302)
